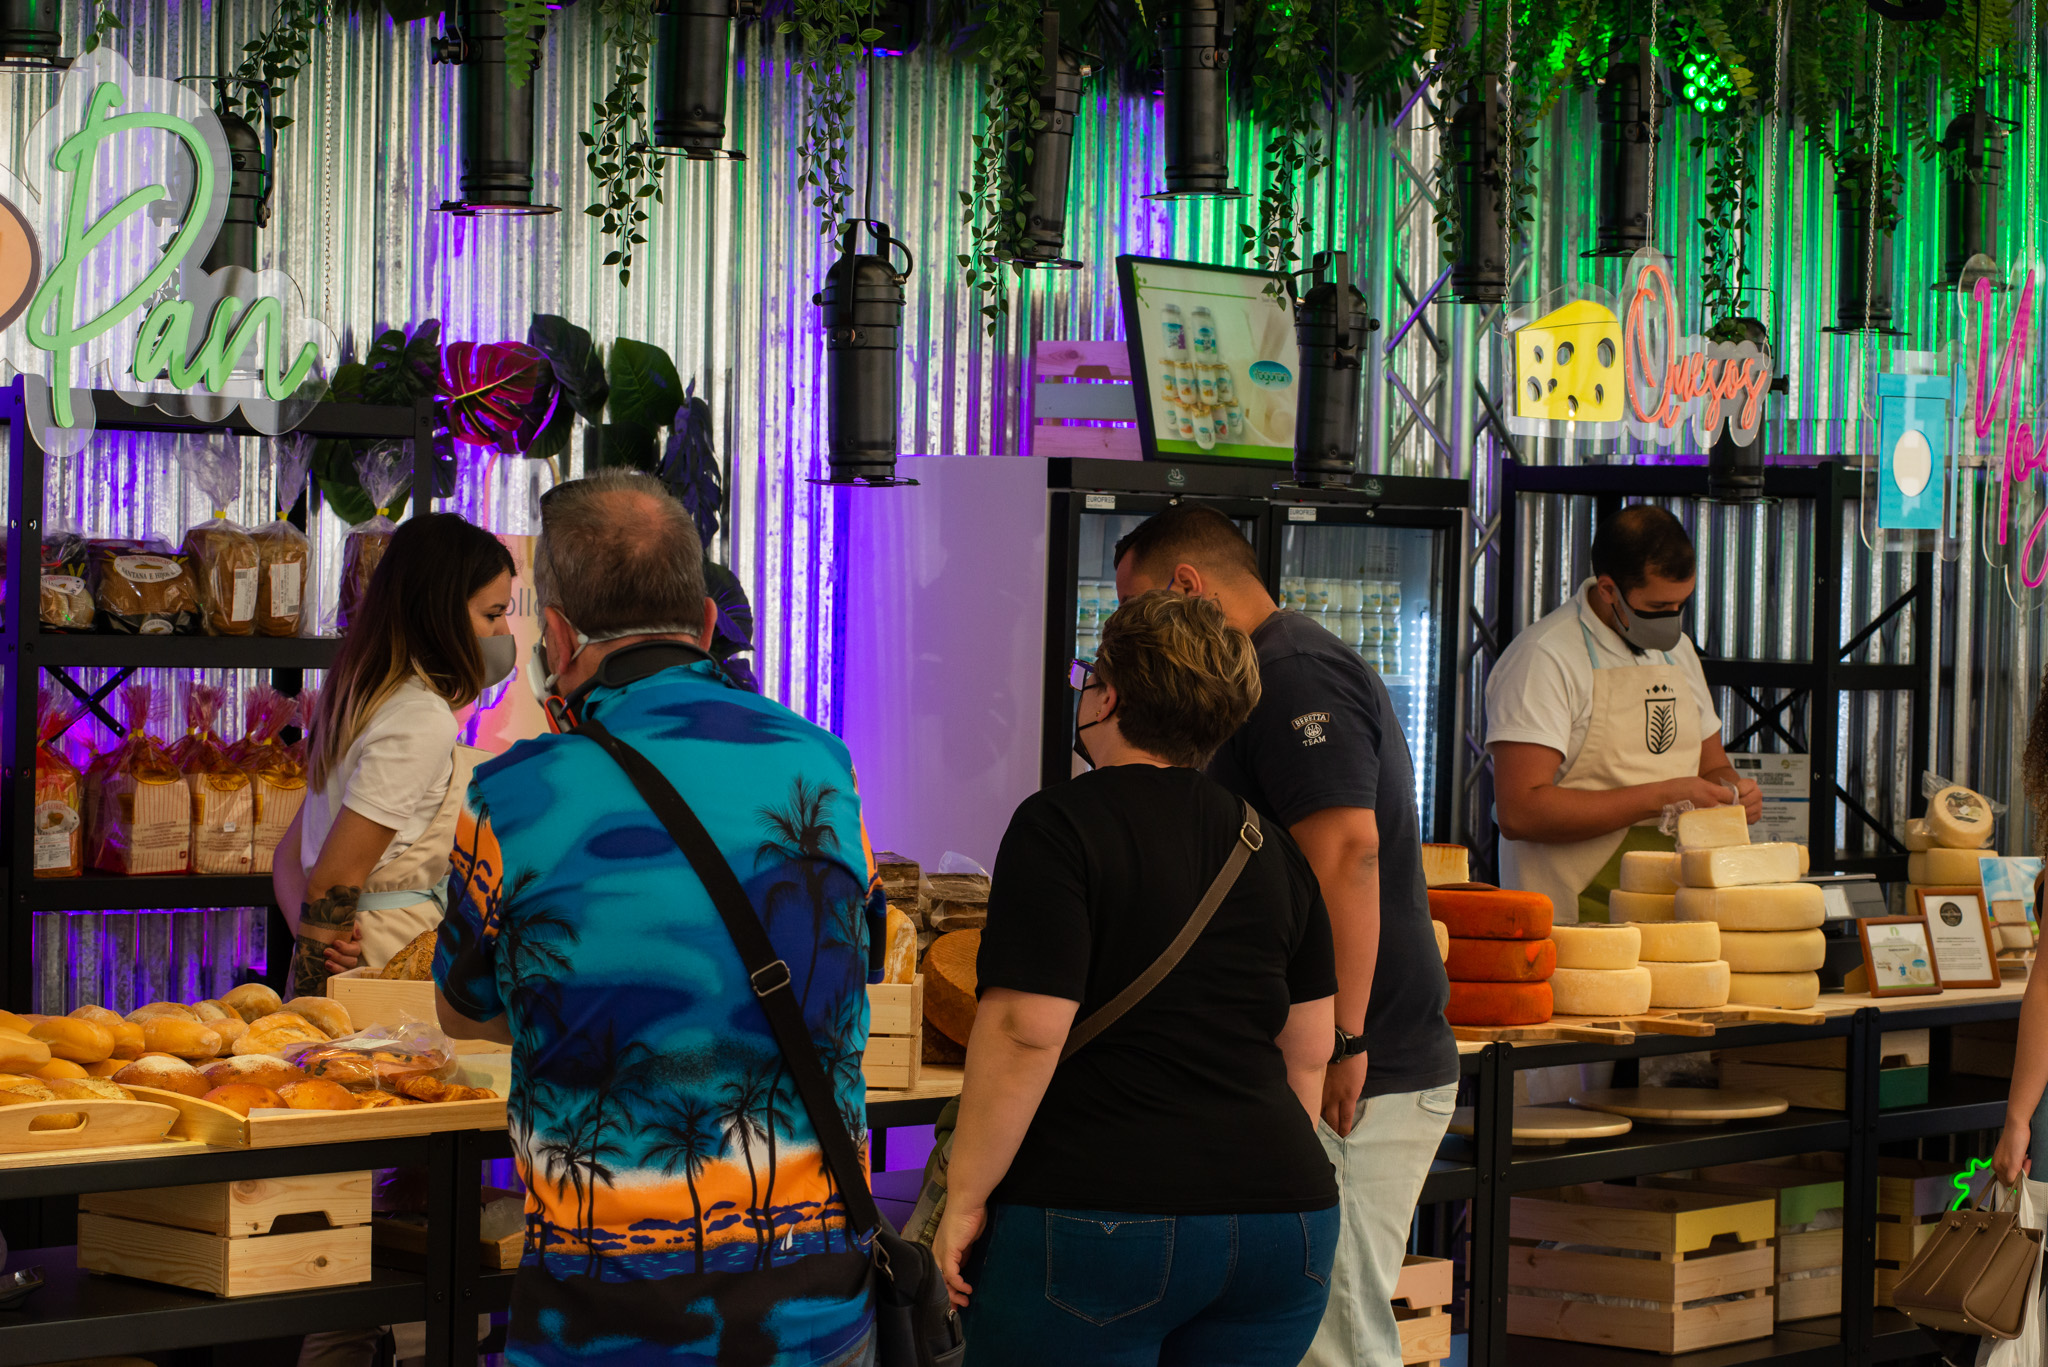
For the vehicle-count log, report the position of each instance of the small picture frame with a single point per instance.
(1960, 934)
(1898, 961)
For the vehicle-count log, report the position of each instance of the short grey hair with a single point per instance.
(617, 553)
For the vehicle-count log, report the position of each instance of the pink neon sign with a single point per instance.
(2021, 457)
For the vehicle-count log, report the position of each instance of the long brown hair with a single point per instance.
(2034, 763)
(414, 624)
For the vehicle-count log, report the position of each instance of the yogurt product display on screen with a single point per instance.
(1223, 351)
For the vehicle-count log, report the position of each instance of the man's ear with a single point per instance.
(710, 633)
(1188, 580)
(558, 635)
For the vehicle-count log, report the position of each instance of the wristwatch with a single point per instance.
(1349, 1046)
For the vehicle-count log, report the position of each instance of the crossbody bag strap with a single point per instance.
(768, 974)
(1250, 839)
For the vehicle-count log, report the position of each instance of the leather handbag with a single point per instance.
(1974, 1274)
(915, 1323)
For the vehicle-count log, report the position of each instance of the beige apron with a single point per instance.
(1645, 728)
(408, 896)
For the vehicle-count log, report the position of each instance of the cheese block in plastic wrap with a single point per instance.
(1641, 906)
(1706, 828)
(1789, 991)
(1688, 986)
(1491, 913)
(1442, 864)
(1959, 818)
(1774, 951)
(1915, 836)
(1649, 871)
(1946, 868)
(1600, 991)
(1765, 906)
(1739, 866)
(1500, 961)
(1592, 945)
(1681, 942)
(1498, 1004)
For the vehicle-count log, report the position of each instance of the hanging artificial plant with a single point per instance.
(274, 58)
(996, 206)
(104, 21)
(822, 28)
(620, 153)
(526, 25)
(1288, 92)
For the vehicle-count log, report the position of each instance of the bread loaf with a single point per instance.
(59, 849)
(20, 1053)
(263, 1070)
(243, 1097)
(223, 803)
(99, 1015)
(62, 1067)
(164, 1074)
(277, 776)
(225, 568)
(181, 1039)
(269, 1039)
(143, 589)
(281, 556)
(138, 808)
(66, 597)
(323, 1013)
(77, 1040)
(229, 1030)
(209, 1011)
(107, 1067)
(90, 1089)
(251, 1001)
(318, 1094)
(414, 963)
(899, 957)
(362, 550)
(949, 981)
(957, 901)
(178, 1010)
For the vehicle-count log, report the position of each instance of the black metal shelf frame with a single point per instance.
(27, 652)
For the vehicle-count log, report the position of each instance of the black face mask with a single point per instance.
(1080, 745)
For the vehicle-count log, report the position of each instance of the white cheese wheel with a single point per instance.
(1641, 906)
(1916, 837)
(1766, 906)
(1592, 945)
(1443, 940)
(1600, 991)
(1713, 827)
(1650, 871)
(1681, 942)
(1941, 867)
(1732, 866)
(1445, 864)
(1774, 951)
(1805, 861)
(1688, 986)
(1959, 818)
(1791, 991)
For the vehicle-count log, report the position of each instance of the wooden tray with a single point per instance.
(208, 1123)
(101, 1124)
(1590, 1029)
(1551, 1124)
(1681, 1105)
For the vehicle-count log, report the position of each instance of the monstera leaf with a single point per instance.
(486, 390)
(578, 367)
(734, 636)
(545, 427)
(689, 465)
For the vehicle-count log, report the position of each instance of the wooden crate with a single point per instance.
(233, 1238)
(370, 1000)
(209, 1123)
(1422, 1307)
(1800, 1195)
(1075, 388)
(1708, 1245)
(408, 1240)
(895, 1050)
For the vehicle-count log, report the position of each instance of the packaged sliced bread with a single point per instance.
(223, 808)
(277, 774)
(382, 470)
(282, 550)
(139, 809)
(60, 794)
(65, 603)
(222, 557)
(143, 588)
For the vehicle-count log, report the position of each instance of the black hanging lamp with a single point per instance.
(863, 315)
(1046, 175)
(1330, 328)
(496, 135)
(32, 35)
(1631, 106)
(1195, 61)
(692, 74)
(249, 183)
(1479, 271)
(1972, 185)
(1863, 253)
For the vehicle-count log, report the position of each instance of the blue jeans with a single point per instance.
(1096, 1288)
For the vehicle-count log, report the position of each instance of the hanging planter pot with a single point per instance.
(1330, 327)
(863, 316)
(692, 73)
(1047, 171)
(1863, 256)
(1194, 60)
(1735, 469)
(31, 35)
(1973, 180)
(494, 116)
(1479, 270)
(1631, 106)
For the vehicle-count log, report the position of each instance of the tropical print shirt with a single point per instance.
(678, 1207)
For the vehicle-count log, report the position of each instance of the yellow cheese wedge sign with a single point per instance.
(1568, 365)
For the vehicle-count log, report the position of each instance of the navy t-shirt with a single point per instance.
(1324, 735)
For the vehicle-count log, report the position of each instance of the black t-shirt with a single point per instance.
(1182, 1106)
(1324, 735)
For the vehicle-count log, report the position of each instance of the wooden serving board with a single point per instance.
(100, 1124)
(1551, 1124)
(1681, 1105)
(1704, 1021)
(1589, 1029)
(209, 1123)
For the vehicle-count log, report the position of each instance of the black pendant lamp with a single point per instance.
(1194, 58)
(248, 192)
(692, 73)
(1735, 469)
(1863, 254)
(1052, 154)
(31, 35)
(496, 136)
(863, 316)
(1479, 272)
(1631, 106)
(1330, 327)
(1972, 185)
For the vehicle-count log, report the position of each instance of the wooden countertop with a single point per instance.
(933, 1080)
(1845, 1003)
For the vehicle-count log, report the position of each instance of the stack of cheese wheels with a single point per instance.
(1687, 972)
(1769, 923)
(1500, 955)
(1598, 971)
(1944, 847)
(1649, 887)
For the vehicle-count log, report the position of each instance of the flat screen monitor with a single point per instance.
(1213, 360)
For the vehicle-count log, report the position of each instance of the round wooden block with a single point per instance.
(1682, 1105)
(1551, 1124)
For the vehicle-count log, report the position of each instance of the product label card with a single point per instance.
(1787, 784)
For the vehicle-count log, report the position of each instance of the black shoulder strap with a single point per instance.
(770, 975)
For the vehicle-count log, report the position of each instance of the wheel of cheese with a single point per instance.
(1681, 942)
(1791, 991)
(1707, 828)
(1500, 961)
(1650, 871)
(1941, 867)
(1688, 986)
(1640, 906)
(1735, 866)
(1498, 1004)
(1443, 864)
(1774, 951)
(1805, 860)
(1592, 945)
(1491, 913)
(1600, 991)
(1443, 940)
(1770, 906)
(949, 983)
(1959, 818)
(1915, 836)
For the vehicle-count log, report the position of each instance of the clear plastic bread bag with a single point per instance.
(383, 470)
(277, 776)
(223, 806)
(143, 588)
(308, 708)
(407, 1056)
(66, 597)
(60, 793)
(222, 555)
(282, 550)
(139, 807)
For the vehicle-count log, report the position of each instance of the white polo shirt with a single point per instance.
(1541, 690)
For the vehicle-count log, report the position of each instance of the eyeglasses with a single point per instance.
(1081, 675)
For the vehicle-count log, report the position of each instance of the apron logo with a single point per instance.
(1660, 725)
(1312, 727)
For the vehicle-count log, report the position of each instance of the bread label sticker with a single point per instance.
(71, 586)
(54, 823)
(285, 578)
(147, 569)
(243, 608)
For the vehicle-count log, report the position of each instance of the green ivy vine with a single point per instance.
(104, 22)
(1728, 141)
(995, 208)
(526, 26)
(274, 58)
(1287, 87)
(621, 153)
(822, 28)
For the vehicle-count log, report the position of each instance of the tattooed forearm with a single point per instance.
(322, 920)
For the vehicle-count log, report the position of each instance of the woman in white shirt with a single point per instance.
(364, 868)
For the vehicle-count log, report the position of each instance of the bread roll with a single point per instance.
(282, 1019)
(80, 1041)
(318, 1094)
(129, 1040)
(164, 1074)
(260, 1069)
(107, 1067)
(21, 1053)
(90, 1089)
(155, 1009)
(28, 1094)
(349, 1069)
(63, 1067)
(244, 1097)
(181, 1039)
(377, 1100)
(269, 1039)
(98, 1015)
(32, 1088)
(415, 962)
(324, 1013)
(252, 1001)
(18, 1024)
(229, 1030)
(210, 1011)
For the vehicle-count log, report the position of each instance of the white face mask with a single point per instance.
(544, 681)
(501, 657)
